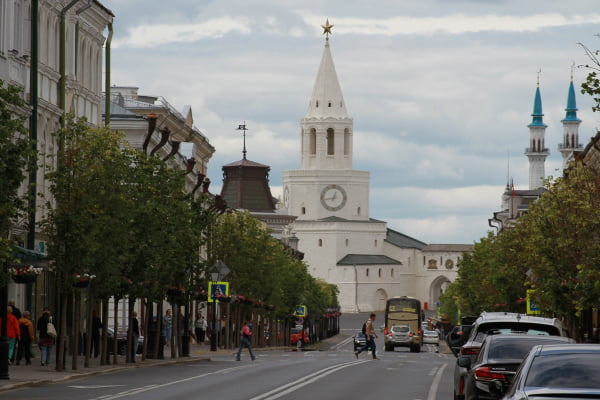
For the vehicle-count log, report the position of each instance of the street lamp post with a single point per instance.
(219, 271)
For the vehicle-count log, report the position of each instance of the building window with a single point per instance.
(330, 142)
(347, 241)
(346, 142)
(392, 273)
(303, 210)
(320, 242)
(358, 211)
(379, 272)
(367, 272)
(312, 141)
(375, 242)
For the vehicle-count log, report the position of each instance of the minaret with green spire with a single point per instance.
(537, 152)
(571, 123)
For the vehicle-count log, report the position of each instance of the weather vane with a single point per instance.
(538, 77)
(327, 29)
(243, 128)
(572, 67)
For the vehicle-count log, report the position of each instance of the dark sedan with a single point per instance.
(564, 372)
(498, 361)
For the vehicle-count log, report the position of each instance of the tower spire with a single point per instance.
(537, 152)
(570, 123)
(243, 129)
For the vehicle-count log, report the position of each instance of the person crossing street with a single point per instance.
(370, 335)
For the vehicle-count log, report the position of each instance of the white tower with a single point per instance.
(570, 142)
(537, 152)
(329, 199)
(326, 185)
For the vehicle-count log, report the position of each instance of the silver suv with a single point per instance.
(494, 323)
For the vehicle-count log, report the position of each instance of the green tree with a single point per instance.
(16, 158)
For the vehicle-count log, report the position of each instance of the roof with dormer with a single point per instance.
(327, 100)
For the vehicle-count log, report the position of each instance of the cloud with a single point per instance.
(153, 35)
(456, 24)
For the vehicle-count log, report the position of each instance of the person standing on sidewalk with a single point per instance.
(135, 334)
(245, 341)
(370, 335)
(45, 341)
(168, 326)
(96, 330)
(27, 337)
(200, 327)
(13, 332)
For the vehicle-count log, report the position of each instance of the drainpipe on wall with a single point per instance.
(107, 79)
(356, 288)
(33, 134)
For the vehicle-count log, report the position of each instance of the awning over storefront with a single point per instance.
(30, 257)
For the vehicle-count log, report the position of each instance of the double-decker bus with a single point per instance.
(403, 310)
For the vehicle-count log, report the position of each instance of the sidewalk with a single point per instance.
(34, 374)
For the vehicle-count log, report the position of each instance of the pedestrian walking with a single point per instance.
(135, 334)
(370, 336)
(27, 337)
(200, 326)
(45, 341)
(13, 331)
(17, 313)
(245, 341)
(96, 329)
(168, 326)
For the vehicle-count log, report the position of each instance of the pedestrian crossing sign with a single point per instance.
(216, 289)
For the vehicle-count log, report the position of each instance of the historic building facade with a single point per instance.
(341, 243)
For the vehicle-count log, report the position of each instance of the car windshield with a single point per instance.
(564, 371)
(400, 329)
(515, 327)
(514, 349)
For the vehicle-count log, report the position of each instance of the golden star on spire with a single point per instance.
(327, 29)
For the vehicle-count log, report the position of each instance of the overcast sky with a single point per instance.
(441, 92)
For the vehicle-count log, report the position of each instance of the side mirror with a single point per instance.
(496, 388)
(464, 362)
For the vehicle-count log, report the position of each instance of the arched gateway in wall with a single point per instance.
(437, 287)
(379, 299)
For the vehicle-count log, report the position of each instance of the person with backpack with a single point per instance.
(27, 337)
(245, 341)
(370, 334)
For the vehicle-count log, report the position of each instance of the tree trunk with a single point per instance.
(88, 329)
(76, 331)
(62, 337)
(130, 345)
(115, 360)
(104, 347)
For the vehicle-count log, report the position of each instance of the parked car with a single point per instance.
(299, 333)
(431, 337)
(557, 372)
(401, 336)
(493, 323)
(122, 342)
(497, 362)
(359, 340)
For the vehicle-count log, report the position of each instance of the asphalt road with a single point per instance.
(333, 372)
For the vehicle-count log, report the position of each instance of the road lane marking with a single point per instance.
(311, 378)
(152, 387)
(436, 382)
